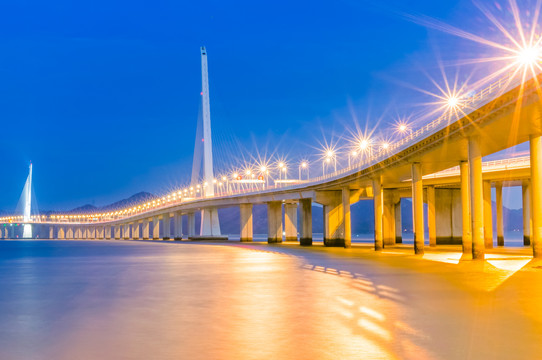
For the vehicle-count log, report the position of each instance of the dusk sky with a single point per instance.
(103, 97)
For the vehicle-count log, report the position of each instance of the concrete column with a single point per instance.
(126, 231)
(274, 222)
(333, 218)
(178, 225)
(92, 232)
(69, 232)
(398, 223)
(431, 216)
(118, 231)
(347, 219)
(156, 228)
(135, 230)
(527, 216)
(61, 232)
(379, 212)
(417, 208)
(290, 221)
(100, 232)
(145, 226)
(488, 216)
(500, 222)
(536, 194)
(305, 233)
(466, 240)
(388, 218)
(108, 232)
(191, 224)
(246, 222)
(477, 198)
(51, 232)
(166, 221)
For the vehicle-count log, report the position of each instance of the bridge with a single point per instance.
(439, 164)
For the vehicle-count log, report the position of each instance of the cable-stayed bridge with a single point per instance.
(439, 164)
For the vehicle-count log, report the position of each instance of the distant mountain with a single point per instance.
(84, 209)
(135, 199)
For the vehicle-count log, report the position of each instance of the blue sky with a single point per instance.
(103, 97)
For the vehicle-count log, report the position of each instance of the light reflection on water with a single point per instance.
(139, 300)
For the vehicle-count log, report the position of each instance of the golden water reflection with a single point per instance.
(136, 300)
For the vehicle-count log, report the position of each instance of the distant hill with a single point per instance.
(135, 199)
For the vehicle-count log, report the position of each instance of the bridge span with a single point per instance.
(440, 164)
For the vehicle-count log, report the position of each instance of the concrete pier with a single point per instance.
(274, 222)
(466, 239)
(290, 221)
(191, 224)
(388, 218)
(305, 233)
(145, 227)
(398, 223)
(246, 222)
(166, 221)
(499, 214)
(527, 215)
(333, 212)
(535, 145)
(477, 198)
(135, 230)
(118, 232)
(417, 208)
(347, 219)
(177, 226)
(431, 216)
(126, 232)
(378, 197)
(156, 228)
(488, 216)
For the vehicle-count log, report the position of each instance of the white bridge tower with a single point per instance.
(27, 205)
(210, 226)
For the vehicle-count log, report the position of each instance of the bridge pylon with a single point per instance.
(210, 226)
(27, 205)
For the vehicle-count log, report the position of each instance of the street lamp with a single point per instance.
(304, 165)
(351, 155)
(329, 156)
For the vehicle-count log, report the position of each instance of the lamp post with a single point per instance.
(304, 165)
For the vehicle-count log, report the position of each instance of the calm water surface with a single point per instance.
(145, 300)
